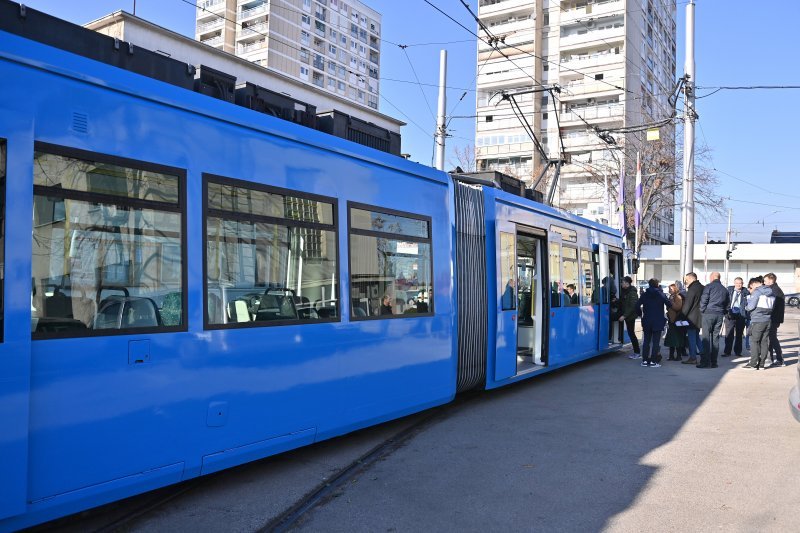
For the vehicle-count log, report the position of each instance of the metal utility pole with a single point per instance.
(728, 247)
(687, 206)
(440, 119)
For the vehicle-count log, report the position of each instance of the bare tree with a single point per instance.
(662, 183)
(465, 158)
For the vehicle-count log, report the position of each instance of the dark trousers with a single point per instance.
(711, 326)
(650, 344)
(733, 339)
(759, 347)
(631, 326)
(693, 337)
(774, 343)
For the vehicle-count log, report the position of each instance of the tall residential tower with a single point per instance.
(614, 61)
(332, 44)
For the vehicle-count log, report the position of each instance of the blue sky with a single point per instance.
(752, 134)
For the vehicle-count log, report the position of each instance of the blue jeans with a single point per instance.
(693, 334)
(711, 327)
(650, 346)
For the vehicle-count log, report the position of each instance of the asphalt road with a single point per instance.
(604, 445)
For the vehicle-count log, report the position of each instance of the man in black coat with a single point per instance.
(691, 310)
(714, 304)
(733, 338)
(653, 303)
(778, 308)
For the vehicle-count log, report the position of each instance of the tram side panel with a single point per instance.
(114, 410)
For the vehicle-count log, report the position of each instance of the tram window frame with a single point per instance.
(554, 302)
(587, 267)
(178, 207)
(3, 166)
(351, 231)
(565, 282)
(208, 178)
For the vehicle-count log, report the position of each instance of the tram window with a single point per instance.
(571, 290)
(271, 256)
(2, 233)
(587, 278)
(555, 275)
(508, 299)
(107, 245)
(391, 273)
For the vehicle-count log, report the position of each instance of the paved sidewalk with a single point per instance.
(607, 445)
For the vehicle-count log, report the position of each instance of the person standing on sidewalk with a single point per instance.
(733, 338)
(759, 306)
(691, 310)
(628, 307)
(676, 335)
(653, 303)
(778, 308)
(714, 304)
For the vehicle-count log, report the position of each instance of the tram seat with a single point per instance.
(140, 313)
(357, 311)
(238, 311)
(276, 307)
(171, 309)
(59, 305)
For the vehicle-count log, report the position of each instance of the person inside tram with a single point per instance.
(386, 305)
(571, 295)
(509, 294)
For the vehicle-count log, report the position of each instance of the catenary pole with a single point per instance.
(687, 206)
(728, 247)
(440, 120)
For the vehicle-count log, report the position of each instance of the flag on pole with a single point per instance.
(621, 204)
(638, 198)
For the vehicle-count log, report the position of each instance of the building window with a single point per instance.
(318, 79)
(391, 273)
(305, 21)
(304, 73)
(108, 245)
(304, 37)
(270, 255)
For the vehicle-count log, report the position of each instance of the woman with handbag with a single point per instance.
(676, 335)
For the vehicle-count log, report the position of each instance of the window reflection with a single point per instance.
(107, 247)
(570, 291)
(390, 274)
(263, 272)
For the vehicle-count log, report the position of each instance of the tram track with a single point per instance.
(328, 489)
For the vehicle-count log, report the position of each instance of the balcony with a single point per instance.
(251, 47)
(214, 41)
(582, 88)
(593, 37)
(245, 14)
(209, 26)
(592, 11)
(582, 142)
(211, 4)
(255, 30)
(594, 60)
(501, 7)
(615, 111)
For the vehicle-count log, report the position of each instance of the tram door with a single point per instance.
(610, 330)
(530, 339)
(520, 343)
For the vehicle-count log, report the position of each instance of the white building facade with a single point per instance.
(614, 61)
(331, 44)
(746, 261)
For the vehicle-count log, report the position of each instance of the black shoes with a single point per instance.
(726, 355)
(748, 365)
(703, 365)
(776, 364)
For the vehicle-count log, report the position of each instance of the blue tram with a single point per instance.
(189, 285)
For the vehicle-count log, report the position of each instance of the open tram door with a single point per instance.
(610, 332)
(522, 316)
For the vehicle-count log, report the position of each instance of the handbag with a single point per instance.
(727, 325)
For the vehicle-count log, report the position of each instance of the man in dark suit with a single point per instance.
(714, 304)
(691, 310)
(778, 308)
(733, 338)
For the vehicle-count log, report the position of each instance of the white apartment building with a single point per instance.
(615, 63)
(332, 44)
